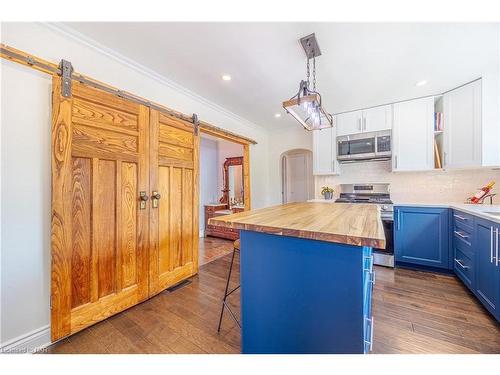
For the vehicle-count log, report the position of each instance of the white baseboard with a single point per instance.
(28, 343)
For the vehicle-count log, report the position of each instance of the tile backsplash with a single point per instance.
(425, 187)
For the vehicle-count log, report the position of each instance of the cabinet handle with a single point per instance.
(460, 217)
(496, 257)
(460, 264)
(461, 235)
(359, 124)
(395, 162)
(373, 278)
(491, 244)
(364, 123)
(371, 335)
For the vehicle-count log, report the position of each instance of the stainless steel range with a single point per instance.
(375, 194)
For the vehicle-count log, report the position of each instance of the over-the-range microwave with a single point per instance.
(364, 146)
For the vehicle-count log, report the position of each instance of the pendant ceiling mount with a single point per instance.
(306, 106)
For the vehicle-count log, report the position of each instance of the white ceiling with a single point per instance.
(362, 64)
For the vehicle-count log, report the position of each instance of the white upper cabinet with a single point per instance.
(462, 126)
(349, 123)
(367, 120)
(377, 118)
(412, 135)
(324, 152)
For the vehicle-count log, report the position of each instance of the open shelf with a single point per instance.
(438, 132)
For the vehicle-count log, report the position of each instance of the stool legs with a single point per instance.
(226, 294)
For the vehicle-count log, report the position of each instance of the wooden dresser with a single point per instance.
(213, 210)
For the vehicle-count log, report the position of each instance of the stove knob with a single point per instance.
(384, 207)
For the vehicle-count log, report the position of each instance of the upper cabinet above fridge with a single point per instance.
(366, 120)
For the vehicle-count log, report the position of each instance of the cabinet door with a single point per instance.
(349, 123)
(462, 126)
(378, 118)
(324, 152)
(487, 270)
(422, 236)
(412, 135)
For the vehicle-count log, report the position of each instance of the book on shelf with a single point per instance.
(438, 121)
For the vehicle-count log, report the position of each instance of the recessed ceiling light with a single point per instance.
(421, 83)
(277, 115)
(226, 77)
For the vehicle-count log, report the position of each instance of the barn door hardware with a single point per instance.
(66, 72)
(196, 123)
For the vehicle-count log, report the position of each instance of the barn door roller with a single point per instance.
(66, 72)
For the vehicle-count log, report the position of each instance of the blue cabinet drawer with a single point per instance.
(463, 234)
(464, 267)
(464, 219)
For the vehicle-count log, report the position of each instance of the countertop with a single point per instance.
(353, 224)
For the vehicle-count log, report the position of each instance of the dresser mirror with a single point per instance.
(233, 191)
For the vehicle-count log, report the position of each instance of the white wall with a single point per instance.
(282, 140)
(25, 197)
(209, 165)
(25, 174)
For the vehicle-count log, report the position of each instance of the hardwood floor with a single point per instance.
(414, 312)
(212, 248)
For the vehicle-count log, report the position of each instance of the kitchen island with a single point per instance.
(307, 276)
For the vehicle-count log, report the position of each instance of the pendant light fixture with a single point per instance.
(306, 106)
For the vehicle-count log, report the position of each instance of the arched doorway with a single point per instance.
(297, 183)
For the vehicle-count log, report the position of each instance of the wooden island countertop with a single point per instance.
(352, 224)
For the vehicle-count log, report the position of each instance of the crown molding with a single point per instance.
(100, 48)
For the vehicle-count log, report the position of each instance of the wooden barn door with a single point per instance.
(174, 216)
(100, 244)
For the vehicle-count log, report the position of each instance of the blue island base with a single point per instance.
(304, 296)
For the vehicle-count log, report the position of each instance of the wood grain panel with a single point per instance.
(353, 224)
(61, 213)
(187, 217)
(175, 218)
(128, 224)
(99, 115)
(164, 220)
(104, 226)
(175, 136)
(175, 152)
(89, 139)
(81, 234)
(173, 162)
(163, 118)
(92, 95)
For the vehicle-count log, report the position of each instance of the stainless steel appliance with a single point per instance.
(364, 146)
(375, 194)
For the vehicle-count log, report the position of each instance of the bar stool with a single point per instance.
(236, 249)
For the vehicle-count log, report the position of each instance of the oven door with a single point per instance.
(385, 257)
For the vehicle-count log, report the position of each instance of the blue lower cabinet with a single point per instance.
(422, 236)
(487, 265)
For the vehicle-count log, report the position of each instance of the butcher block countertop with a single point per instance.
(352, 224)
